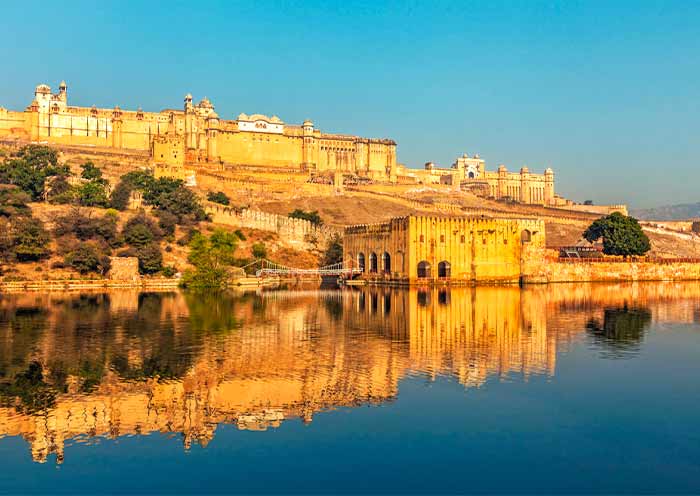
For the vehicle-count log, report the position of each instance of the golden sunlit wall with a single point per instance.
(200, 134)
(428, 249)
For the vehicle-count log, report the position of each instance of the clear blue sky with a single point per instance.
(606, 93)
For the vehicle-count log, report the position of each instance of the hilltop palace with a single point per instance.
(196, 135)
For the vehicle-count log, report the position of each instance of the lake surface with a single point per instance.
(563, 388)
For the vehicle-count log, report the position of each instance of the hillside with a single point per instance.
(668, 212)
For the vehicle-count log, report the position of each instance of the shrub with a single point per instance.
(150, 258)
(167, 222)
(218, 197)
(85, 226)
(334, 251)
(141, 230)
(29, 167)
(311, 216)
(92, 194)
(168, 271)
(30, 240)
(259, 250)
(13, 202)
(86, 258)
(240, 234)
(121, 193)
(90, 172)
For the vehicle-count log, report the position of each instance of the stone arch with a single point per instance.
(386, 262)
(471, 175)
(525, 236)
(444, 269)
(361, 261)
(373, 265)
(424, 269)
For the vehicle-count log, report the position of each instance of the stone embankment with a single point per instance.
(554, 271)
(156, 283)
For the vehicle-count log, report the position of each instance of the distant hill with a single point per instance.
(668, 212)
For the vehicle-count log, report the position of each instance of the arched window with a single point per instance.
(373, 262)
(526, 236)
(361, 262)
(471, 175)
(386, 262)
(423, 269)
(444, 269)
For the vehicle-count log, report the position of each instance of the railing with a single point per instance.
(656, 260)
(274, 269)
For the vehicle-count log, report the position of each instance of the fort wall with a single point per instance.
(293, 230)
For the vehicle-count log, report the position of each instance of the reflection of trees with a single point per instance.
(27, 391)
(212, 311)
(81, 338)
(621, 332)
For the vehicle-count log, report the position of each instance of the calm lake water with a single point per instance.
(565, 388)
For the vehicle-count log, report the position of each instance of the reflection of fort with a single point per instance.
(124, 363)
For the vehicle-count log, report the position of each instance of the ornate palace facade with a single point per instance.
(195, 133)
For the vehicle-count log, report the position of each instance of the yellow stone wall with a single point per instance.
(200, 135)
(453, 249)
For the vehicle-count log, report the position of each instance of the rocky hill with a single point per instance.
(683, 211)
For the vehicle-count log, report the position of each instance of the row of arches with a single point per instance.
(371, 265)
(444, 270)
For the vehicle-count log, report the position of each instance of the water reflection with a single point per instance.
(74, 368)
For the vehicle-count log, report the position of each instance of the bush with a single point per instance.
(30, 240)
(13, 202)
(168, 271)
(121, 193)
(259, 250)
(92, 194)
(312, 216)
(29, 168)
(86, 258)
(240, 234)
(141, 230)
(90, 172)
(218, 197)
(85, 226)
(334, 251)
(150, 258)
(167, 222)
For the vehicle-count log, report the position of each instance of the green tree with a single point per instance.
(121, 193)
(30, 240)
(29, 168)
(334, 251)
(218, 197)
(93, 194)
(212, 258)
(87, 257)
(90, 172)
(141, 230)
(311, 216)
(621, 235)
(150, 258)
(13, 202)
(259, 250)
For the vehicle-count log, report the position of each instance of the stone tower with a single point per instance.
(524, 184)
(502, 181)
(308, 147)
(548, 186)
(212, 131)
